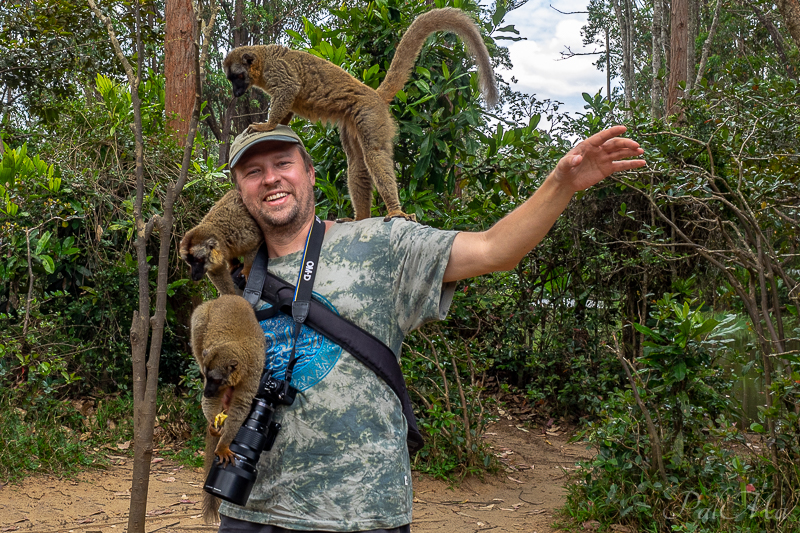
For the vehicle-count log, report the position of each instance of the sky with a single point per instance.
(536, 59)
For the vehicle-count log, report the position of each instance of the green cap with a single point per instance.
(249, 138)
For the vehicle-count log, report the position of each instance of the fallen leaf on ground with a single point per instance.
(487, 508)
(591, 525)
(124, 445)
(85, 521)
(156, 460)
(10, 528)
(167, 479)
(515, 480)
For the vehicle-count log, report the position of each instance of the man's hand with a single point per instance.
(596, 158)
(504, 244)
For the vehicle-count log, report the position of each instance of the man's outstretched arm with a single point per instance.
(503, 245)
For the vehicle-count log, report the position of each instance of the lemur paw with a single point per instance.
(399, 214)
(259, 127)
(224, 453)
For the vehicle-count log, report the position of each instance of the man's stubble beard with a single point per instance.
(287, 223)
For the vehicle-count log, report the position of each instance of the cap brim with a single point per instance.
(270, 138)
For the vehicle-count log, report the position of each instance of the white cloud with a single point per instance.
(536, 60)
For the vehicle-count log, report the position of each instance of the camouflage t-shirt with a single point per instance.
(340, 461)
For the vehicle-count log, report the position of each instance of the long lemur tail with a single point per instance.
(210, 502)
(445, 19)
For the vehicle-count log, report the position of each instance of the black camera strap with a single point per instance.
(364, 346)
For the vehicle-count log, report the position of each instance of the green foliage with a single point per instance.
(45, 444)
(708, 486)
(61, 437)
(445, 377)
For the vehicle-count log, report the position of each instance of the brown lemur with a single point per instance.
(316, 89)
(214, 246)
(228, 344)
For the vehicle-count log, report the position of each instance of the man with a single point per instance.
(340, 462)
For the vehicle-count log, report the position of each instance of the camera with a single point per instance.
(234, 481)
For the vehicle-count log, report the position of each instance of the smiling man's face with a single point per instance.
(276, 186)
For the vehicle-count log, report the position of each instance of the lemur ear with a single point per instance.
(248, 58)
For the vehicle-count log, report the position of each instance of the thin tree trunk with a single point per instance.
(211, 122)
(608, 67)
(656, 454)
(623, 13)
(631, 67)
(707, 44)
(225, 141)
(657, 88)
(239, 31)
(679, 14)
(692, 29)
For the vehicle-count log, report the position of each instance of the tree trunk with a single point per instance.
(657, 88)
(631, 67)
(790, 11)
(239, 31)
(225, 135)
(624, 19)
(608, 67)
(179, 65)
(707, 44)
(693, 29)
(679, 16)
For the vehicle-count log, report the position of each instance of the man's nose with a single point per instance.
(271, 175)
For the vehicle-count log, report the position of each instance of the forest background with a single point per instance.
(660, 314)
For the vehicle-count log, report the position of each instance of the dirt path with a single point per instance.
(523, 498)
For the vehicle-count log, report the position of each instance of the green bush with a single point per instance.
(708, 483)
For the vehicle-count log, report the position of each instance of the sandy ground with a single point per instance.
(523, 497)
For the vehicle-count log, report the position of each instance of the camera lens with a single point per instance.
(233, 482)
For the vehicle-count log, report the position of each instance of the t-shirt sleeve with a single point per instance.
(421, 256)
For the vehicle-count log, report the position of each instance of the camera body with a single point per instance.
(233, 482)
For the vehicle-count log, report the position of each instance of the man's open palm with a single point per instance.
(598, 157)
